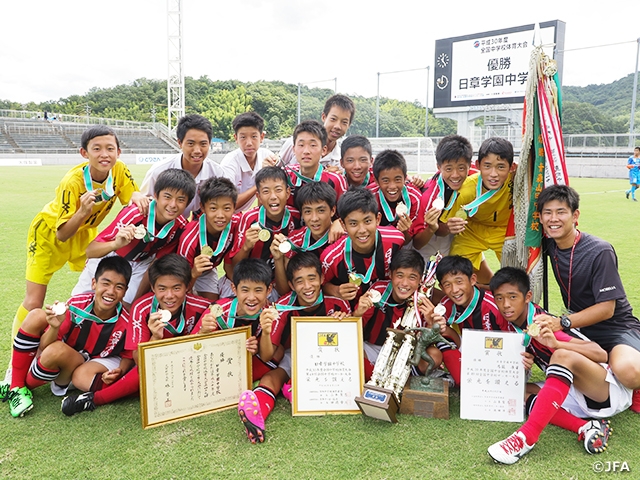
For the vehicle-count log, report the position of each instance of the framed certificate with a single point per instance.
(327, 365)
(193, 375)
(492, 379)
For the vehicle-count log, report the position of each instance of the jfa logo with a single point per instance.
(476, 44)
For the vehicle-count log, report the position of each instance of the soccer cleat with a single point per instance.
(5, 388)
(251, 416)
(287, 391)
(595, 434)
(627, 194)
(635, 402)
(20, 401)
(510, 450)
(77, 403)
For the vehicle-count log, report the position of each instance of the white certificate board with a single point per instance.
(327, 360)
(492, 377)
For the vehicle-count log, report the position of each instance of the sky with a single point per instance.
(55, 48)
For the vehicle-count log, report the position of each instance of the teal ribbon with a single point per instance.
(441, 190)
(232, 316)
(262, 219)
(290, 306)
(107, 191)
(222, 241)
(302, 179)
(366, 278)
(174, 331)
(391, 216)
(151, 225)
(472, 208)
(79, 315)
(467, 311)
(306, 247)
(531, 311)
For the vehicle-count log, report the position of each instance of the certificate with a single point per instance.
(192, 375)
(327, 365)
(492, 378)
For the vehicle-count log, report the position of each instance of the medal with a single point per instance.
(375, 296)
(207, 251)
(216, 310)
(533, 330)
(59, 308)
(264, 235)
(440, 310)
(140, 232)
(438, 204)
(461, 214)
(401, 209)
(355, 279)
(165, 316)
(285, 247)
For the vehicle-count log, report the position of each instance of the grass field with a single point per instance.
(110, 443)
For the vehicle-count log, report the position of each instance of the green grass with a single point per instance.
(110, 443)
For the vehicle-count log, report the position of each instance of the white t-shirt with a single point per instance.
(209, 169)
(237, 169)
(288, 158)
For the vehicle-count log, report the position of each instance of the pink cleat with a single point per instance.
(251, 416)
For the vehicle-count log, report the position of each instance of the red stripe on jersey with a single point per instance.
(189, 244)
(414, 196)
(335, 180)
(225, 303)
(485, 316)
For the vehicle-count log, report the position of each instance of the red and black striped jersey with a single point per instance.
(297, 238)
(485, 316)
(97, 339)
(335, 180)
(414, 208)
(225, 303)
(189, 246)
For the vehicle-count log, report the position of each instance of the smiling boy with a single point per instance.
(356, 159)
(141, 238)
(241, 165)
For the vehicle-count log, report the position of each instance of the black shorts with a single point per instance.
(614, 337)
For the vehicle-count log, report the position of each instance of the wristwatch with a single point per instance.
(565, 322)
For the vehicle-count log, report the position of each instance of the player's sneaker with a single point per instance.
(635, 402)
(287, 391)
(5, 388)
(595, 434)
(251, 416)
(511, 449)
(77, 403)
(627, 194)
(20, 401)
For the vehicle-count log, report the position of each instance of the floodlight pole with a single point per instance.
(633, 100)
(335, 90)
(426, 107)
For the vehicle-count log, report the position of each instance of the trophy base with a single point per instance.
(378, 402)
(429, 401)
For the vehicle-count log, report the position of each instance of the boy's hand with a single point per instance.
(267, 317)
(124, 236)
(435, 318)
(209, 323)
(339, 315)
(404, 223)
(270, 161)
(547, 338)
(348, 291)
(527, 360)
(54, 320)
(333, 169)
(278, 238)
(417, 181)
(111, 376)
(425, 307)
(431, 217)
(201, 264)
(141, 201)
(364, 304)
(251, 238)
(336, 231)
(156, 326)
(456, 225)
(86, 202)
(252, 345)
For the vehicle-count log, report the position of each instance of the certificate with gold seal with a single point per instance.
(193, 375)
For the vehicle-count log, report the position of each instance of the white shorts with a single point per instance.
(285, 363)
(619, 398)
(108, 362)
(371, 351)
(138, 269)
(224, 287)
(207, 282)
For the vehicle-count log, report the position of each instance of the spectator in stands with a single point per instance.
(241, 165)
(194, 137)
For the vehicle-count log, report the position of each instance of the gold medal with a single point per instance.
(355, 279)
(216, 310)
(165, 316)
(264, 235)
(461, 214)
(533, 330)
(207, 250)
(140, 232)
(59, 308)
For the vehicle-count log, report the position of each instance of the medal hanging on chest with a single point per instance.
(105, 193)
(151, 225)
(205, 249)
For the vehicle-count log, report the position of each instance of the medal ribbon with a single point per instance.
(305, 247)
(531, 311)
(222, 241)
(441, 190)
(301, 178)
(291, 307)
(151, 225)
(87, 315)
(385, 296)
(262, 219)
(232, 316)
(177, 331)
(107, 191)
(467, 311)
(366, 278)
(472, 208)
(391, 216)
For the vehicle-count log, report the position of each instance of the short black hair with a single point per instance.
(217, 187)
(171, 264)
(196, 122)
(357, 198)
(271, 173)
(248, 119)
(498, 146)
(452, 148)
(313, 127)
(407, 258)
(302, 260)
(513, 276)
(341, 101)
(454, 264)
(388, 159)
(561, 193)
(354, 141)
(96, 131)
(114, 263)
(254, 270)
(175, 179)
(313, 192)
